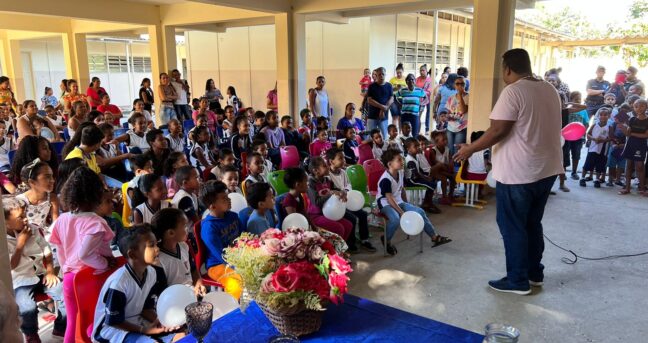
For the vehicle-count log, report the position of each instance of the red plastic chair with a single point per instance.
(244, 169)
(87, 287)
(364, 153)
(374, 170)
(199, 258)
(428, 154)
(289, 157)
(358, 139)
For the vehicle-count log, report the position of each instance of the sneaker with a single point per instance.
(32, 338)
(391, 250)
(574, 176)
(536, 283)
(609, 184)
(502, 285)
(597, 184)
(582, 183)
(367, 246)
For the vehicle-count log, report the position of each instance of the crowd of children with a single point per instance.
(174, 199)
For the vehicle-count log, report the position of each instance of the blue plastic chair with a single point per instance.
(125, 125)
(123, 147)
(42, 113)
(119, 132)
(165, 132)
(279, 209)
(112, 183)
(58, 148)
(244, 216)
(66, 134)
(188, 125)
(11, 155)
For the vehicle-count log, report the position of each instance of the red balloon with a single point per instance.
(573, 131)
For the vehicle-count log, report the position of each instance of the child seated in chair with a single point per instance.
(350, 146)
(261, 147)
(125, 311)
(260, 197)
(442, 167)
(176, 262)
(378, 145)
(230, 177)
(393, 141)
(219, 229)
(32, 270)
(256, 165)
(416, 177)
(297, 181)
(478, 162)
(225, 158)
(340, 179)
(392, 201)
(321, 144)
(274, 136)
(186, 198)
(406, 132)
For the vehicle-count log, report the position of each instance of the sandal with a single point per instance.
(624, 192)
(440, 240)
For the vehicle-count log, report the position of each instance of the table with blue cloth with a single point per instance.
(357, 320)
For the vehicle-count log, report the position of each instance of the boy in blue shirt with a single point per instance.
(260, 197)
(219, 229)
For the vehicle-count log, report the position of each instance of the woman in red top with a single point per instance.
(106, 107)
(95, 92)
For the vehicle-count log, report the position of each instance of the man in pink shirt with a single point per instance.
(525, 125)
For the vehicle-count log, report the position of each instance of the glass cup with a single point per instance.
(501, 333)
(199, 319)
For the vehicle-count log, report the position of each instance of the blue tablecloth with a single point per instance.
(357, 320)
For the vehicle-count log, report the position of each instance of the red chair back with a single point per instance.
(374, 170)
(289, 157)
(364, 153)
(199, 258)
(358, 139)
(244, 169)
(428, 154)
(87, 287)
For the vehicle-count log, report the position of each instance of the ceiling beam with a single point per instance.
(598, 42)
(23, 22)
(102, 10)
(190, 13)
(269, 6)
(216, 28)
(331, 18)
(356, 7)
(93, 27)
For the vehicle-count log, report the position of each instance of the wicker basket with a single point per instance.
(299, 323)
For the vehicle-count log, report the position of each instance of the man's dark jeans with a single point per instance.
(519, 215)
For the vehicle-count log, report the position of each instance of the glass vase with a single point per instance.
(246, 297)
(501, 333)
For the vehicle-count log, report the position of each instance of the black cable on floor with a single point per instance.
(567, 260)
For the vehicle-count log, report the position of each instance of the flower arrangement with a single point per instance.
(290, 271)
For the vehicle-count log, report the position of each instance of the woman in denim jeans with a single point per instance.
(457, 106)
(167, 95)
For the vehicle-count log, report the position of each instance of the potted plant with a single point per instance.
(292, 275)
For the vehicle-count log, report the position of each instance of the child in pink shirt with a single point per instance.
(365, 81)
(321, 144)
(81, 236)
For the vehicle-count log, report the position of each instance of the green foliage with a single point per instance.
(284, 301)
(570, 22)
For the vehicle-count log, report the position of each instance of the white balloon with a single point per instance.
(355, 200)
(238, 202)
(562, 140)
(295, 220)
(334, 208)
(490, 180)
(411, 223)
(223, 303)
(171, 305)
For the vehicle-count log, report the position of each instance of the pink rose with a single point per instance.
(315, 253)
(266, 284)
(339, 281)
(272, 246)
(339, 264)
(272, 233)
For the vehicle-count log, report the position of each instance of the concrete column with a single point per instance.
(492, 35)
(162, 48)
(12, 67)
(75, 52)
(290, 31)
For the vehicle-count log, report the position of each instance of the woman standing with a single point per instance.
(24, 123)
(435, 92)
(410, 99)
(167, 95)
(146, 94)
(64, 88)
(445, 92)
(73, 96)
(271, 99)
(6, 95)
(457, 107)
(213, 95)
(397, 82)
(318, 99)
(95, 92)
(424, 82)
